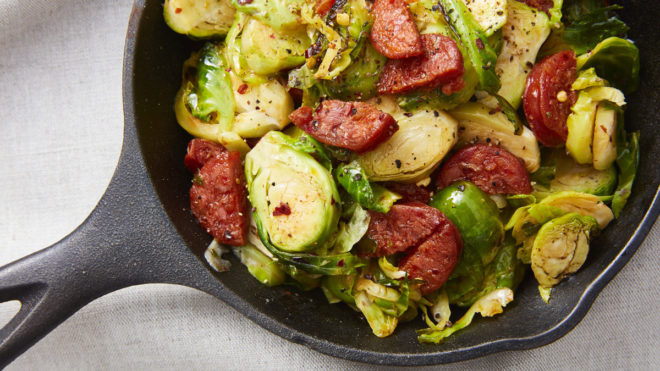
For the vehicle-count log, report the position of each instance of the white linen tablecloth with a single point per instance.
(61, 120)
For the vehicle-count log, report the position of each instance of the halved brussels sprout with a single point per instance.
(281, 15)
(199, 19)
(415, 150)
(604, 143)
(583, 204)
(561, 247)
(581, 120)
(571, 176)
(214, 104)
(523, 33)
(259, 108)
(296, 200)
(587, 79)
(268, 51)
(372, 196)
(491, 15)
(481, 124)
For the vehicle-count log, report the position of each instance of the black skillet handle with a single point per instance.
(127, 240)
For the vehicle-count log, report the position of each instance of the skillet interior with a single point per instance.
(336, 329)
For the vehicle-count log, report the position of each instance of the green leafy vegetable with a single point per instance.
(369, 195)
(627, 161)
(589, 22)
(475, 41)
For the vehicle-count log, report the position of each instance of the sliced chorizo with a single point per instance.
(218, 199)
(393, 33)
(493, 169)
(410, 192)
(441, 63)
(435, 258)
(200, 151)
(548, 97)
(357, 126)
(403, 227)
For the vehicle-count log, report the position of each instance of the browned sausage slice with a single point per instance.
(218, 199)
(441, 63)
(357, 126)
(435, 258)
(393, 33)
(548, 97)
(201, 151)
(542, 5)
(493, 169)
(403, 227)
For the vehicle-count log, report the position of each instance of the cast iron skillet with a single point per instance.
(142, 231)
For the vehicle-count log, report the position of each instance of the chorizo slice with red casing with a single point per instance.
(200, 151)
(441, 63)
(403, 227)
(435, 258)
(493, 169)
(410, 192)
(393, 33)
(548, 97)
(357, 126)
(218, 199)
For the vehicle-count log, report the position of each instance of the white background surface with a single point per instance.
(61, 124)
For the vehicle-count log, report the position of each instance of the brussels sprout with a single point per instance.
(524, 32)
(294, 196)
(571, 176)
(587, 79)
(382, 324)
(561, 247)
(480, 124)
(415, 150)
(263, 268)
(282, 15)
(489, 305)
(390, 270)
(358, 81)
(267, 51)
(475, 41)
(351, 232)
(475, 215)
(372, 196)
(627, 161)
(206, 93)
(215, 104)
(199, 19)
(489, 14)
(339, 288)
(616, 60)
(259, 108)
(581, 203)
(604, 143)
(581, 120)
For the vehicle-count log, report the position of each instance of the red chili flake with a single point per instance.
(272, 36)
(283, 209)
(340, 263)
(480, 44)
(178, 10)
(604, 129)
(242, 89)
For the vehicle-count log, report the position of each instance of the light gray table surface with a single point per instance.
(61, 122)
